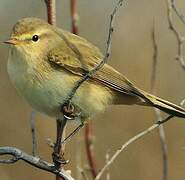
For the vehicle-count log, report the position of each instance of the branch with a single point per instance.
(107, 157)
(181, 16)
(164, 147)
(51, 11)
(34, 161)
(130, 141)
(58, 152)
(88, 127)
(33, 133)
(83, 174)
(74, 17)
(154, 62)
(179, 38)
(90, 149)
(57, 157)
(157, 111)
(104, 60)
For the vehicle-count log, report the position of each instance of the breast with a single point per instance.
(37, 91)
(46, 91)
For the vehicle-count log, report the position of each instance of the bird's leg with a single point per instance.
(69, 111)
(58, 155)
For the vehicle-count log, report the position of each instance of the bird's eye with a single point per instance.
(35, 38)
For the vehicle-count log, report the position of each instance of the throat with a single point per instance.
(19, 69)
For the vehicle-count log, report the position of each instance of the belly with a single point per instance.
(46, 94)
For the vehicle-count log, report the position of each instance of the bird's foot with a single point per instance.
(70, 112)
(59, 159)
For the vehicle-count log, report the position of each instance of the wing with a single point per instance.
(77, 55)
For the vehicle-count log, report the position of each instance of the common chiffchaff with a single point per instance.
(45, 62)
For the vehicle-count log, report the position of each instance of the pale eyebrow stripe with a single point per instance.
(36, 32)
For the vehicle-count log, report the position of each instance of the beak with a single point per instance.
(12, 41)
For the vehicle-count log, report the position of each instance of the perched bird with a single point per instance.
(45, 62)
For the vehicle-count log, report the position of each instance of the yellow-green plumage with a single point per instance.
(46, 91)
(44, 73)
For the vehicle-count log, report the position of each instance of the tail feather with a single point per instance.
(165, 106)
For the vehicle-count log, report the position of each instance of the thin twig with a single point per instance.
(104, 60)
(96, 68)
(83, 174)
(107, 157)
(157, 111)
(179, 37)
(154, 62)
(74, 17)
(88, 127)
(177, 12)
(58, 152)
(51, 11)
(130, 141)
(164, 146)
(68, 138)
(32, 160)
(90, 150)
(33, 133)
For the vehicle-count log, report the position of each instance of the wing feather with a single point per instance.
(77, 55)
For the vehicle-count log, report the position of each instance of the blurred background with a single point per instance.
(132, 53)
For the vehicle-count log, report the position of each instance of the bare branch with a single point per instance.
(51, 11)
(179, 38)
(107, 157)
(104, 60)
(177, 12)
(130, 141)
(9, 161)
(83, 174)
(34, 161)
(157, 112)
(58, 153)
(90, 149)
(100, 65)
(154, 62)
(33, 133)
(74, 17)
(106, 56)
(164, 147)
(88, 127)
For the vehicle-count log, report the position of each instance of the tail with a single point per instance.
(163, 105)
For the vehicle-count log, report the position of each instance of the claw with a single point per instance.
(59, 159)
(69, 112)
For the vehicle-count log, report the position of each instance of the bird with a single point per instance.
(45, 62)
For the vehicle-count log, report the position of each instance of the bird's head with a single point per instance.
(33, 36)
